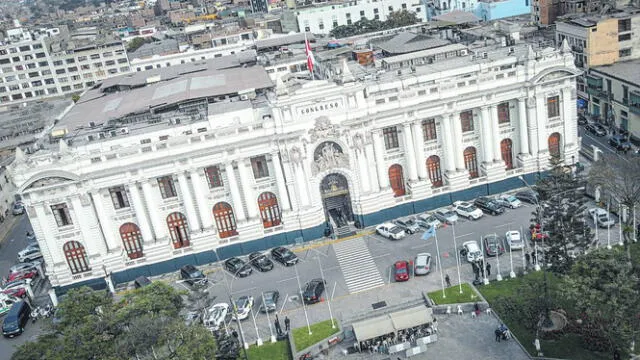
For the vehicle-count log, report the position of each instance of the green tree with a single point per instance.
(527, 304)
(401, 18)
(75, 98)
(135, 43)
(157, 299)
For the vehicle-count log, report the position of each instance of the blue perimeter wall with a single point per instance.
(305, 235)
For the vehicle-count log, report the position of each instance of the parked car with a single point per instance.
(191, 318)
(215, 316)
(601, 217)
(471, 251)
(31, 238)
(141, 281)
(243, 307)
(18, 209)
(285, 256)
(527, 196)
(446, 216)
(619, 142)
(401, 270)
(493, 245)
(596, 129)
(488, 205)
(408, 225)
(427, 221)
(260, 261)
(269, 301)
(514, 240)
(23, 267)
(582, 120)
(467, 210)
(313, 291)
(16, 319)
(24, 274)
(390, 231)
(29, 253)
(192, 276)
(16, 288)
(237, 267)
(6, 302)
(422, 264)
(508, 201)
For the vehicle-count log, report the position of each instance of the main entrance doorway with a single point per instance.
(334, 189)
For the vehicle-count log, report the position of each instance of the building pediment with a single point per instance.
(554, 74)
(48, 178)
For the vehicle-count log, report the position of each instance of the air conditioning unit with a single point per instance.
(463, 52)
(123, 131)
(244, 97)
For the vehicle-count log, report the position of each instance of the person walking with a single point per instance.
(527, 257)
(533, 257)
(447, 279)
(287, 323)
(488, 269)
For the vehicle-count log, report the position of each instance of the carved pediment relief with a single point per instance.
(323, 129)
(47, 182)
(328, 155)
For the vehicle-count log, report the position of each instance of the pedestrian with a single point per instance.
(488, 269)
(498, 334)
(287, 323)
(278, 329)
(527, 257)
(447, 280)
(533, 257)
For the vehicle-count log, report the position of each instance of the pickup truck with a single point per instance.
(390, 231)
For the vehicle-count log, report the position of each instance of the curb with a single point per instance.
(322, 243)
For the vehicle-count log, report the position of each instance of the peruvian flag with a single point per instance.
(307, 50)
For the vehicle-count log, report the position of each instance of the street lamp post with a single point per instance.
(333, 325)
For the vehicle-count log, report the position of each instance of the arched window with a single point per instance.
(396, 179)
(76, 257)
(225, 220)
(506, 148)
(554, 145)
(178, 230)
(471, 161)
(131, 239)
(269, 209)
(433, 168)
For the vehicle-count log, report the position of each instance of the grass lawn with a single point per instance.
(269, 351)
(319, 331)
(453, 295)
(567, 347)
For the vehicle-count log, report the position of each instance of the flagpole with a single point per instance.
(485, 280)
(307, 46)
(634, 224)
(444, 295)
(498, 273)
(455, 245)
(525, 249)
(620, 242)
(595, 221)
(608, 227)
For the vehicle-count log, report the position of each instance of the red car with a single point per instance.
(15, 288)
(26, 274)
(401, 270)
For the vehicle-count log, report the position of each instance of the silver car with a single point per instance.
(408, 225)
(422, 265)
(446, 216)
(427, 221)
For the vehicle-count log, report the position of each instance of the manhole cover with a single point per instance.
(379, 305)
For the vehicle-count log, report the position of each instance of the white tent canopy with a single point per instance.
(391, 323)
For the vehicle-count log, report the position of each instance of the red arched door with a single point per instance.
(76, 257)
(269, 209)
(471, 162)
(396, 179)
(225, 220)
(554, 145)
(433, 168)
(178, 230)
(131, 239)
(506, 148)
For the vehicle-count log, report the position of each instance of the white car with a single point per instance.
(215, 316)
(31, 252)
(514, 240)
(508, 201)
(467, 210)
(390, 231)
(243, 305)
(471, 251)
(428, 221)
(601, 217)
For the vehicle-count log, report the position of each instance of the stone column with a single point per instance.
(541, 109)
(378, 146)
(532, 128)
(418, 143)
(522, 127)
(283, 196)
(447, 142)
(457, 139)
(199, 186)
(141, 215)
(238, 209)
(372, 170)
(157, 222)
(301, 183)
(487, 138)
(409, 151)
(247, 182)
(187, 200)
(105, 222)
(569, 118)
(495, 135)
(363, 172)
(82, 221)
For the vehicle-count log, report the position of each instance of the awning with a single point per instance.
(411, 317)
(371, 328)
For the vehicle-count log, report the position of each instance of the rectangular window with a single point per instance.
(61, 214)
(624, 37)
(624, 52)
(553, 106)
(390, 138)
(213, 176)
(167, 187)
(429, 130)
(259, 166)
(503, 113)
(466, 121)
(119, 197)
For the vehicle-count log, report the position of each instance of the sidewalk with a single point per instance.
(8, 225)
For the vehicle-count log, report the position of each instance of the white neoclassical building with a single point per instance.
(210, 160)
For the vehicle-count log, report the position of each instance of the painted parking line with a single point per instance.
(245, 290)
(284, 303)
(425, 244)
(380, 256)
(507, 224)
(285, 280)
(459, 236)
